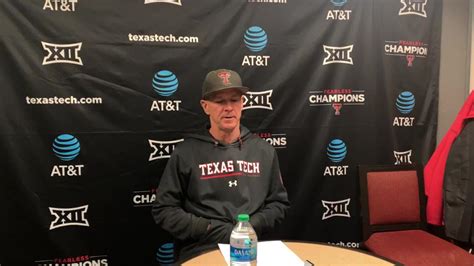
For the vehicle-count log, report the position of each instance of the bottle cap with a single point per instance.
(243, 218)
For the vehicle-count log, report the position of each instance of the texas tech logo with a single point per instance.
(408, 49)
(338, 55)
(258, 100)
(69, 217)
(60, 5)
(413, 7)
(162, 149)
(336, 98)
(336, 208)
(224, 76)
(62, 53)
(174, 2)
(402, 157)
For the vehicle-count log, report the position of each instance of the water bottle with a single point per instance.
(243, 243)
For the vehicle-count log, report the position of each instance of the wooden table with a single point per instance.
(316, 253)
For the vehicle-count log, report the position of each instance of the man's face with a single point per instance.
(224, 109)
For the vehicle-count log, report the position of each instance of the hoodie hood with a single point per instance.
(205, 136)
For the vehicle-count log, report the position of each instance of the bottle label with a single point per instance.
(243, 254)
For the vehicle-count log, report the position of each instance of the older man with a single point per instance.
(213, 176)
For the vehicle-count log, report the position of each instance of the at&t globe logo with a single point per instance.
(165, 254)
(165, 83)
(339, 13)
(256, 40)
(66, 147)
(405, 104)
(336, 152)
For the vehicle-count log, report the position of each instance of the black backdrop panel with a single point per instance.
(357, 77)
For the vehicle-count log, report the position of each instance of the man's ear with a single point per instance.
(204, 106)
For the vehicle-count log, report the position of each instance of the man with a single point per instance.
(214, 176)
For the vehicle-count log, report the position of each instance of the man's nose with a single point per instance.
(228, 105)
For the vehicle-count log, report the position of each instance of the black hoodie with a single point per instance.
(206, 184)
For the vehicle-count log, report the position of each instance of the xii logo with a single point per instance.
(62, 53)
(253, 100)
(69, 217)
(402, 157)
(338, 55)
(336, 208)
(413, 7)
(162, 149)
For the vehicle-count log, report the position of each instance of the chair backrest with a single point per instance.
(392, 198)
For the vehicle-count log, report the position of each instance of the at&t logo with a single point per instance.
(165, 83)
(60, 5)
(162, 149)
(66, 147)
(255, 39)
(405, 104)
(413, 7)
(68, 217)
(258, 100)
(338, 54)
(336, 152)
(165, 254)
(62, 53)
(338, 208)
(402, 157)
(338, 14)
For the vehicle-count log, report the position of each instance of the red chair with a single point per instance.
(394, 221)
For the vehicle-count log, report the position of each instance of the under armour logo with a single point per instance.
(62, 53)
(253, 100)
(402, 157)
(224, 75)
(162, 149)
(69, 217)
(336, 208)
(338, 55)
(174, 2)
(233, 183)
(413, 7)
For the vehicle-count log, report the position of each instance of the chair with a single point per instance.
(394, 220)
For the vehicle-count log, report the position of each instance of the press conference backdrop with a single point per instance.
(95, 95)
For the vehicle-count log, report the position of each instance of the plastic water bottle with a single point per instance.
(243, 243)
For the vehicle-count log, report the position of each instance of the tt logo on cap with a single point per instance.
(224, 75)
